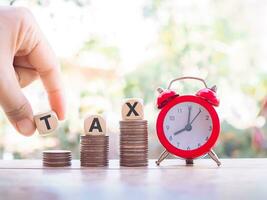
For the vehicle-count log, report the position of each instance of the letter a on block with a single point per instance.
(94, 125)
(132, 109)
(46, 122)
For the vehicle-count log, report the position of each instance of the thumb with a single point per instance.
(14, 103)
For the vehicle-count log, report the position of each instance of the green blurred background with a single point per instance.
(114, 49)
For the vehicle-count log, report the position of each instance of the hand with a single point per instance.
(180, 131)
(189, 114)
(188, 125)
(195, 117)
(25, 55)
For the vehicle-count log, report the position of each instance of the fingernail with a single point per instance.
(26, 126)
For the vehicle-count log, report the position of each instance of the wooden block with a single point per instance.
(46, 122)
(94, 125)
(132, 109)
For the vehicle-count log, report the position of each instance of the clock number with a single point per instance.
(210, 128)
(170, 138)
(179, 110)
(167, 127)
(178, 144)
(198, 145)
(172, 118)
(207, 138)
(188, 148)
(207, 117)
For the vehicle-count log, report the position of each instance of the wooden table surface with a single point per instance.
(236, 179)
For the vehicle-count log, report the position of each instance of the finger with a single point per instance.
(22, 61)
(14, 103)
(25, 76)
(12, 100)
(44, 60)
(25, 72)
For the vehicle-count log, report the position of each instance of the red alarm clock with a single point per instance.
(188, 126)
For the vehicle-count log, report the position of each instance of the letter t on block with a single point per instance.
(46, 122)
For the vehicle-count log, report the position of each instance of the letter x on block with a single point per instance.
(132, 109)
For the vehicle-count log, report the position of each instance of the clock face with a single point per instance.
(187, 126)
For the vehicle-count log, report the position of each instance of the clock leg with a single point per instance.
(162, 156)
(214, 157)
(189, 161)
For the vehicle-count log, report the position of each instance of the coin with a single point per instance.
(56, 165)
(128, 141)
(141, 151)
(56, 158)
(94, 151)
(133, 143)
(94, 137)
(93, 165)
(56, 152)
(136, 164)
(133, 136)
(133, 121)
(92, 155)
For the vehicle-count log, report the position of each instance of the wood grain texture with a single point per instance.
(132, 109)
(95, 125)
(235, 179)
(46, 122)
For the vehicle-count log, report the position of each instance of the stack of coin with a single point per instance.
(133, 143)
(56, 158)
(94, 150)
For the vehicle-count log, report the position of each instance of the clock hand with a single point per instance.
(195, 117)
(189, 114)
(188, 126)
(177, 132)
